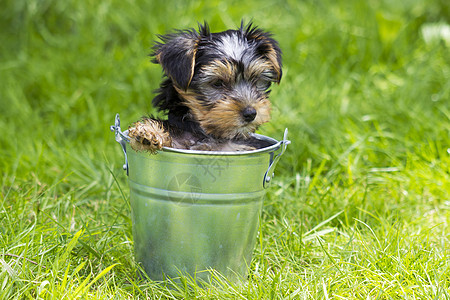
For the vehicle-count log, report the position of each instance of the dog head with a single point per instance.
(219, 80)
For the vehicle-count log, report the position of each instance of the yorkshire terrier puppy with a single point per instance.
(215, 91)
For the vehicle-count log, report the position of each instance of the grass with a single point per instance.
(360, 205)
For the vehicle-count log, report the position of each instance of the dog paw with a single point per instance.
(148, 135)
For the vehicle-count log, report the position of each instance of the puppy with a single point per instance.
(215, 90)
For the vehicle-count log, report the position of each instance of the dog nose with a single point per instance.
(249, 114)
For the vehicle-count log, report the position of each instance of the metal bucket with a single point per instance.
(196, 211)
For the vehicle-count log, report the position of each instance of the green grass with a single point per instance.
(360, 205)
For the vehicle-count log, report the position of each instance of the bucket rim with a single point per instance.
(275, 145)
(272, 148)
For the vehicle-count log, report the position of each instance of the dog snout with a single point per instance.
(249, 114)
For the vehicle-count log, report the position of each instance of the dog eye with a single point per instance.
(263, 84)
(219, 83)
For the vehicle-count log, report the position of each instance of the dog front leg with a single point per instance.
(149, 135)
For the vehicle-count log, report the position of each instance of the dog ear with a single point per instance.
(266, 46)
(176, 54)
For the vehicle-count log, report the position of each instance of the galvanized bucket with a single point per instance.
(197, 211)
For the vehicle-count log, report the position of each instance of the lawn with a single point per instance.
(360, 204)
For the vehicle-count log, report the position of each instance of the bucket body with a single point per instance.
(192, 213)
(195, 211)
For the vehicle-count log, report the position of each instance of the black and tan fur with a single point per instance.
(215, 91)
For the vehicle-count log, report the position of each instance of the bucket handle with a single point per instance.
(274, 160)
(121, 139)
